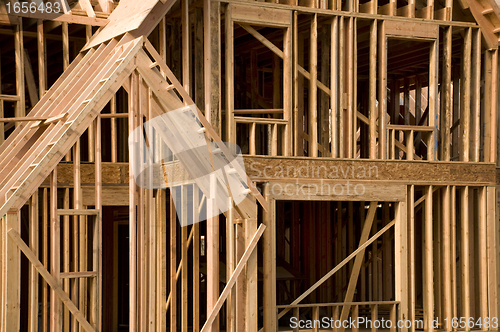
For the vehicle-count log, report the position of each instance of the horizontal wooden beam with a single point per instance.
(328, 13)
(23, 119)
(77, 212)
(267, 168)
(337, 190)
(258, 111)
(412, 30)
(9, 97)
(241, 119)
(72, 275)
(261, 16)
(336, 304)
(114, 115)
(410, 127)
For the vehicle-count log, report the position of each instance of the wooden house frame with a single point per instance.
(369, 133)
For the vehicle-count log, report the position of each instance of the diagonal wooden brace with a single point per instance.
(338, 267)
(234, 277)
(281, 54)
(358, 261)
(56, 286)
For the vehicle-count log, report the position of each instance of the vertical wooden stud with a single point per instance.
(446, 107)
(33, 285)
(401, 260)
(372, 87)
(313, 88)
(132, 120)
(483, 254)
(428, 286)
(446, 256)
(491, 243)
(55, 258)
(212, 245)
(433, 99)
(98, 226)
(465, 85)
(231, 127)
(475, 125)
(269, 265)
(382, 91)
(334, 87)
(464, 252)
(12, 264)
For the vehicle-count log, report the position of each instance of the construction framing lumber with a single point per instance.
(232, 280)
(339, 121)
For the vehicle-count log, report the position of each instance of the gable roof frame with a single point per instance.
(35, 148)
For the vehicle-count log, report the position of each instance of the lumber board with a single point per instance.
(401, 259)
(313, 89)
(266, 168)
(34, 246)
(411, 247)
(142, 17)
(260, 16)
(229, 35)
(411, 30)
(53, 282)
(464, 253)
(486, 24)
(446, 250)
(69, 134)
(132, 122)
(491, 243)
(115, 175)
(269, 268)
(212, 245)
(337, 304)
(482, 254)
(11, 271)
(153, 81)
(382, 91)
(232, 280)
(372, 93)
(465, 98)
(353, 280)
(336, 190)
(337, 268)
(55, 255)
(281, 54)
(334, 96)
(428, 271)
